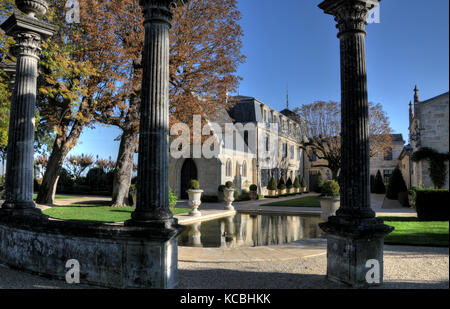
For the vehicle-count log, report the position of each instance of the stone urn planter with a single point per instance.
(33, 8)
(228, 193)
(195, 200)
(329, 206)
(330, 200)
(281, 191)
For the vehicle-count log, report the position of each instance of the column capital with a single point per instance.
(351, 15)
(159, 10)
(28, 33)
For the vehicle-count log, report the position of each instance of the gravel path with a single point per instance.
(405, 268)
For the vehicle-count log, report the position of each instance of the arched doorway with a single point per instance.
(188, 172)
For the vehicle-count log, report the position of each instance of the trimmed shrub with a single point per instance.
(289, 184)
(244, 196)
(431, 204)
(229, 185)
(331, 189)
(194, 185)
(272, 184)
(281, 184)
(396, 185)
(173, 198)
(303, 184)
(221, 187)
(379, 186)
(253, 188)
(297, 183)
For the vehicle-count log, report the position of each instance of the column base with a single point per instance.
(22, 211)
(355, 251)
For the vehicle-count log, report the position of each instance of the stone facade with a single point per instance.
(386, 164)
(429, 127)
(281, 132)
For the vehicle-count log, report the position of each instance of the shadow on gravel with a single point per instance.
(233, 279)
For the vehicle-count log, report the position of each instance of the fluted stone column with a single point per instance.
(354, 235)
(28, 33)
(152, 206)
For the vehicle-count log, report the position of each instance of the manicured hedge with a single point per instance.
(432, 205)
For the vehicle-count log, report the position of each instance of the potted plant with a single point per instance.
(303, 185)
(296, 185)
(228, 192)
(272, 188)
(254, 192)
(281, 187)
(330, 200)
(195, 198)
(290, 186)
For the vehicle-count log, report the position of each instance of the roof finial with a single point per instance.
(287, 96)
(416, 95)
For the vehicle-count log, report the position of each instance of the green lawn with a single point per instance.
(411, 231)
(308, 201)
(96, 212)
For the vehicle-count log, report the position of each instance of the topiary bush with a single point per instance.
(379, 186)
(194, 185)
(253, 188)
(331, 188)
(396, 185)
(272, 184)
(297, 183)
(229, 184)
(289, 184)
(281, 184)
(221, 187)
(431, 204)
(303, 184)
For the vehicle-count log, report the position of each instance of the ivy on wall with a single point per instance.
(438, 168)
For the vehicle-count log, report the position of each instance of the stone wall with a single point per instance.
(109, 256)
(432, 119)
(380, 164)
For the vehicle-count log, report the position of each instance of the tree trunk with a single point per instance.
(61, 149)
(124, 169)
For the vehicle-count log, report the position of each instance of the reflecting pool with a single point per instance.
(248, 230)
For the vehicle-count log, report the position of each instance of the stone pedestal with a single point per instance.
(29, 34)
(108, 255)
(355, 236)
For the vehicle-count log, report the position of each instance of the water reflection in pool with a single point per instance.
(244, 230)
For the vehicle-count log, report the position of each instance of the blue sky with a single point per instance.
(293, 42)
